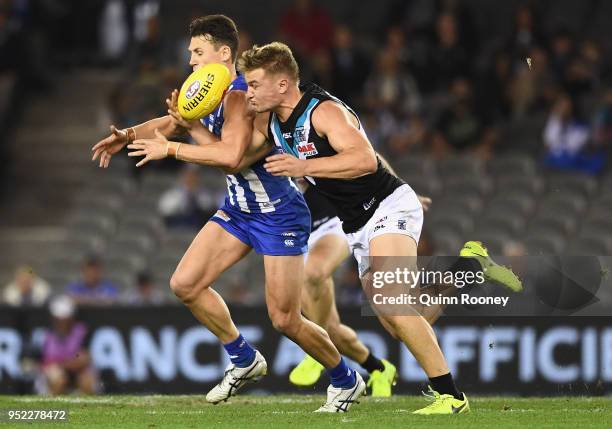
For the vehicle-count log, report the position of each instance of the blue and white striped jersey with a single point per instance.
(253, 190)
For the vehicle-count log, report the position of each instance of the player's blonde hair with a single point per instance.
(275, 58)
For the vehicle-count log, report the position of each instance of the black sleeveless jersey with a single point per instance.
(321, 210)
(355, 200)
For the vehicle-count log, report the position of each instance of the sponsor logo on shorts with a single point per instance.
(369, 204)
(222, 215)
(378, 227)
(267, 204)
(289, 234)
(401, 224)
(382, 219)
(289, 243)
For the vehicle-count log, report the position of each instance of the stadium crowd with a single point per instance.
(428, 84)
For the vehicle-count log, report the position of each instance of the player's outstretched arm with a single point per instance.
(117, 139)
(355, 156)
(226, 153)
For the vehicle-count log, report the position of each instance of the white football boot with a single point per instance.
(235, 377)
(340, 400)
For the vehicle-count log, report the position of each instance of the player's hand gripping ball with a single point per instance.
(203, 90)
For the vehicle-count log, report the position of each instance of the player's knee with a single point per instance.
(285, 322)
(315, 275)
(185, 287)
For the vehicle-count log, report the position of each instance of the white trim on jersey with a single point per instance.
(230, 194)
(240, 198)
(261, 196)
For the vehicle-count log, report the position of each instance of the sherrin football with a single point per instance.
(203, 90)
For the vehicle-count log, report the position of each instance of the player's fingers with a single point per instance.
(137, 153)
(281, 172)
(96, 154)
(273, 158)
(137, 144)
(143, 161)
(274, 167)
(102, 143)
(107, 160)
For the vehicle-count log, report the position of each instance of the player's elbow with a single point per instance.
(369, 164)
(232, 163)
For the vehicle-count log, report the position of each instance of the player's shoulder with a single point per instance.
(235, 96)
(261, 122)
(329, 112)
(236, 102)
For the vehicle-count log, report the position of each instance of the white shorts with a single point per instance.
(332, 226)
(399, 213)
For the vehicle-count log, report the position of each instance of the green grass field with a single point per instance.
(295, 411)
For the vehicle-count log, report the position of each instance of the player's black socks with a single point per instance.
(372, 363)
(445, 385)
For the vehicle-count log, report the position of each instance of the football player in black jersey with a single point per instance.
(324, 142)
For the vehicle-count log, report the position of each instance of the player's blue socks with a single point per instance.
(342, 376)
(240, 352)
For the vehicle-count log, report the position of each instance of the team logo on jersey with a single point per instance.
(222, 215)
(300, 135)
(307, 149)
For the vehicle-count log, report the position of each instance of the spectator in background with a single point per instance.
(525, 35)
(602, 123)
(188, 204)
(566, 137)
(26, 289)
(493, 86)
(93, 289)
(448, 57)
(392, 95)
(307, 28)
(561, 53)
(583, 70)
(349, 66)
(146, 292)
(410, 135)
(390, 88)
(532, 88)
(66, 363)
(461, 128)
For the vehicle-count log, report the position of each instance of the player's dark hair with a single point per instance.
(218, 29)
(274, 58)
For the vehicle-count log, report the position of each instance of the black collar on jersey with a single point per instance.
(306, 89)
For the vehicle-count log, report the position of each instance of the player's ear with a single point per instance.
(283, 85)
(226, 53)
